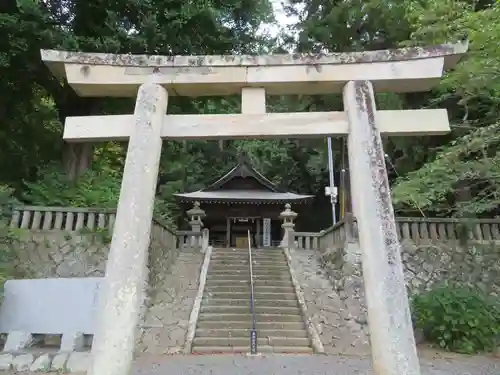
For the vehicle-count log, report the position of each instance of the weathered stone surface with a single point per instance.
(43, 254)
(42, 363)
(59, 253)
(247, 60)
(78, 362)
(123, 290)
(17, 340)
(393, 344)
(67, 305)
(473, 264)
(6, 361)
(72, 342)
(166, 320)
(340, 331)
(59, 362)
(426, 265)
(23, 362)
(162, 253)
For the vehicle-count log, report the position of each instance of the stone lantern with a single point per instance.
(288, 217)
(196, 214)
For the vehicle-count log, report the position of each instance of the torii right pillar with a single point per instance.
(391, 333)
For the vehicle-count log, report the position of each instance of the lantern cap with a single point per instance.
(196, 210)
(288, 213)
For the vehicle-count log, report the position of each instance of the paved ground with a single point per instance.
(302, 365)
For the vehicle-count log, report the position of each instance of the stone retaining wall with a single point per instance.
(425, 266)
(44, 254)
(59, 253)
(76, 254)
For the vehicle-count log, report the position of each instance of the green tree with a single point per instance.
(463, 177)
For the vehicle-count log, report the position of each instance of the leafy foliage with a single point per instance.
(7, 236)
(93, 189)
(456, 174)
(458, 319)
(463, 177)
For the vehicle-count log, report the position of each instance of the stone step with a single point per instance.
(242, 341)
(244, 254)
(239, 259)
(246, 268)
(255, 254)
(239, 295)
(235, 309)
(204, 317)
(246, 271)
(242, 276)
(260, 258)
(263, 250)
(245, 332)
(246, 302)
(246, 281)
(246, 349)
(246, 289)
(247, 324)
(266, 263)
(245, 257)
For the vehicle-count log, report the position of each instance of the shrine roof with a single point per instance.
(242, 196)
(267, 191)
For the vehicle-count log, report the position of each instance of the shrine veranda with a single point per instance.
(152, 79)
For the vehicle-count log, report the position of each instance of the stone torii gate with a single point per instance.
(153, 78)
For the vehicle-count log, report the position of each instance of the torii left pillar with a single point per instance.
(123, 288)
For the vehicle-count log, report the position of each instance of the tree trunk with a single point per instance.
(77, 157)
(463, 194)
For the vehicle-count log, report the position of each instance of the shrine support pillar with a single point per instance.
(123, 288)
(391, 333)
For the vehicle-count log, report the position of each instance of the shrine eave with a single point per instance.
(245, 197)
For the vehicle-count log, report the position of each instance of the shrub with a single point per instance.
(94, 188)
(459, 319)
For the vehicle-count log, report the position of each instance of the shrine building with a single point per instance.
(241, 200)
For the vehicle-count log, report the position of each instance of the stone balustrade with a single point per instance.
(416, 230)
(307, 240)
(185, 238)
(72, 219)
(446, 229)
(61, 218)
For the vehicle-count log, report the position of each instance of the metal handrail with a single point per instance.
(253, 332)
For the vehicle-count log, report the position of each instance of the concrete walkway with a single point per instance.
(302, 365)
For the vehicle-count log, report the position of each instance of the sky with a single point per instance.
(281, 19)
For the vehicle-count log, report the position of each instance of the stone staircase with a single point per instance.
(225, 318)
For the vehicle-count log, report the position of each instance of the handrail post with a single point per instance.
(253, 332)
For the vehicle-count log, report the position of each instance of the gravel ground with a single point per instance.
(303, 364)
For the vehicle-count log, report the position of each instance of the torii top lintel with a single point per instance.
(399, 70)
